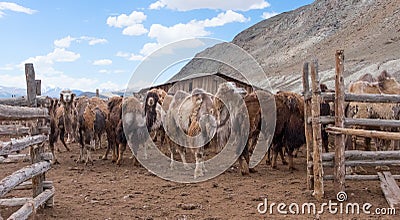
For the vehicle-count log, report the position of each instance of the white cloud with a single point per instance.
(110, 86)
(267, 15)
(103, 62)
(66, 41)
(10, 6)
(192, 29)
(187, 5)
(132, 23)
(7, 67)
(130, 56)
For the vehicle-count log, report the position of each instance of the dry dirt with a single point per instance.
(107, 191)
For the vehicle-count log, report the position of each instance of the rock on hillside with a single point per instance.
(368, 31)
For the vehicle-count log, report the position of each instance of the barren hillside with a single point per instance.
(368, 31)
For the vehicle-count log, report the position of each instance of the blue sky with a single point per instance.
(98, 44)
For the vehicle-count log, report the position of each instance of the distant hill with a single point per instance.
(8, 92)
(367, 30)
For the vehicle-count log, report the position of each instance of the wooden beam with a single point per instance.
(37, 180)
(14, 201)
(16, 178)
(370, 163)
(339, 170)
(372, 98)
(19, 130)
(27, 185)
(365, 133)
(22, 113)
(16, 158)
(316, 130)
(360, 177)
(30, 84)
(372, 122)
(390, 189)
(7, 148)
(31, 206)
(307, 125)
(38, 84)
(364, 155)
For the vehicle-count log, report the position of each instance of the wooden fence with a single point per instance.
(35, 131)
(340, 126)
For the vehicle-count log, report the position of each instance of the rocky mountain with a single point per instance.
(367, 30)
(8, 92)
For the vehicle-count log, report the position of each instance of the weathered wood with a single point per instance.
(19, 101)
(360, 177)
(310, 175)
(37, 181)
(14, 201)
(365, 133)
(364, 155)
(15, 158)
(27, 185)
(20, 144)
(16, 178)
(369, 163)
(390, 189)
(316, 133)
(372, 98)
(22, 113)
(372, 122)
(30, 85)
(38, 84)
(31, 206)
(307, 125)
(19, 130)
(339, 169)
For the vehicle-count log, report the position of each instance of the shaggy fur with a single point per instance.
(57, 129)
(114, 107)
(67, 100)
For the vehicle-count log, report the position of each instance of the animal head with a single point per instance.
(367, 78)
(160, 93)
(152, 99)
(384, 76)
(66, 96)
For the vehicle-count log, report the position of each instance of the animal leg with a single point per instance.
(54, 161)
(88, 156)
(198, 171)
(282, 157)
(182, 153)
(62, 134)
(291, 165)
(122, 148)
(274, 156)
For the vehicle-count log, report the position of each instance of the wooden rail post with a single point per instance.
(97, 93)
(38, 83)
(308, 127)
(30, 84)
(339, 170)
(317, 138)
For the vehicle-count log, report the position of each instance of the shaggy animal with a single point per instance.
(388, 84)
(67, 100)
(134, 124)
(114, 106)
(154, 115)
(57, 129)
(289, 130)
(192, 115)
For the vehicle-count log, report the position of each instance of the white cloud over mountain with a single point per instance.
(187, 5)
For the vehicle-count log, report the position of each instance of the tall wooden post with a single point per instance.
(307, 126)
(97, 93)
(316, 127)
(38, 83)
(30, 85)
(339, 170)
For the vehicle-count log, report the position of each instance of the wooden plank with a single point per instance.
(37, 180)
(390, 189)
(307, 126)
(19, 130)
(31, 206)
(317, 138)
(20, 144)
(22, 113)
(372, 122)
(14, 201)
(30, 84)
(16, 178)
(16, 158)
(339, 168)
(371, 98)
(360, 177)
(370, 163)
(364, 155)
(27, 185)
(365, 133)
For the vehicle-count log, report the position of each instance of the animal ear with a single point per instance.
(62, 97)
(73, 95)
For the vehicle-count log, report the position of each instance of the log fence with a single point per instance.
(339, 126)
(30, 136)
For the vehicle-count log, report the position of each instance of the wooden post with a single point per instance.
(30, 84)
(317, 139)
(37, 181)
(339, 170)
(97, 93)
(38, 87)
(308, 127)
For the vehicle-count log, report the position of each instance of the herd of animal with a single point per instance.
(194, 122)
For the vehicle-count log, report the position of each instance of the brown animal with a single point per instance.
(114, 116)
(57, 129)
(67, 100)
(289, 130)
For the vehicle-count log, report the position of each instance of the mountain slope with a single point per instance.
(368, 31)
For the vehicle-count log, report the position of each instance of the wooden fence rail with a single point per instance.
(20, 144)
(22, 113)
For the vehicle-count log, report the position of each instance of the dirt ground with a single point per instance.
(107, 191)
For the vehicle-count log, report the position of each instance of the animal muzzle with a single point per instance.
(150, 101)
